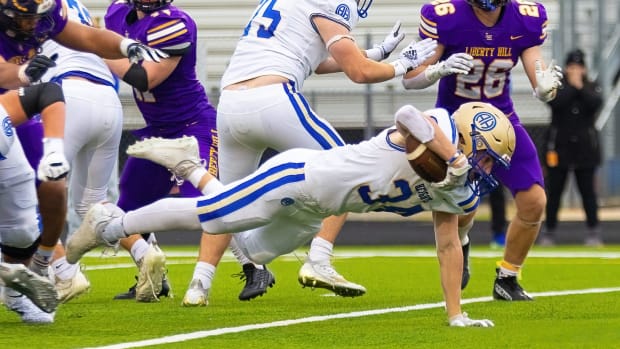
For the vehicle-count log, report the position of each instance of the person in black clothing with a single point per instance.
(573, 145)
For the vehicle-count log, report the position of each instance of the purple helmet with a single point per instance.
(488, 5)
(149, 6)
(362, 7)
(25, 20)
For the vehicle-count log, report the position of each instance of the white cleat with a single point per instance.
(88, 235)
(36, 288)
(179, 155)
(27, 310)
(72, 288)
(196, 295)
(323, 275)
(152, 272)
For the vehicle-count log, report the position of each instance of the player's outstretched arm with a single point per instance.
(450, 257)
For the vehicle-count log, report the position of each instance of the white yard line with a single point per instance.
(300, 255)
(221, 331)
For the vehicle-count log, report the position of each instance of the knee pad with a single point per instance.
(20, 253)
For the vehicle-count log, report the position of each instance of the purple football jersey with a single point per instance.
(180, 99)
(496, 50)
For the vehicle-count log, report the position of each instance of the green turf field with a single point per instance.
(577, 305)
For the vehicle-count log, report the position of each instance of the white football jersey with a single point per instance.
(76, 63)
(280, 39)
(376, 176)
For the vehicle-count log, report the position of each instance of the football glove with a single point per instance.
(36, 68)
(547, 81)
(384, 49)
(413, 55)
(458, 63)
(53, 165)
(136, 52)
(463, 320)
(457, 172)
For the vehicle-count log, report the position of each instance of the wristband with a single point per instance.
(375, 53)
(125, 45)
(399, 68)
(21, 74)
(53, 145)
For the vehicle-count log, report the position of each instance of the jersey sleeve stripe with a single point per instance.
(428, 28)
(169, 37)
(164, 25)
(166, 31)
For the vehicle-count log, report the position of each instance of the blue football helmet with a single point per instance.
(362, 7)
(149, 6)
(24, 20)
(485, 134)
(488, 5)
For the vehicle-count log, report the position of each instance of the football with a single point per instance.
(428, 165)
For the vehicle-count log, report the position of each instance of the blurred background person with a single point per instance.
(573, 146)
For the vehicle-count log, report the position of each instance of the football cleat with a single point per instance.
(72, 288)
(323, 275)
(256, 281)
(196, 295)
(88, 235)
(152, 271)
(38, 290)
(466, 275)
(131, 293)
(27, 310)
(179, 155)
(507, 288)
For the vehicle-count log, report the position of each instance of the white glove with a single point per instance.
(413, 55)
(458, 63)
(53, 165)
(547, 81)
(456, 176)
(136, 51)
(384, 49)
(462, 320)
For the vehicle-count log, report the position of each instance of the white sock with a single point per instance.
(138, 249)
(321, 250)
(63, 270)
(234, 248)
(212, 186)
(196, 176)
(204, 272)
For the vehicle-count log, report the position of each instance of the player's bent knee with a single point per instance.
(20, 253)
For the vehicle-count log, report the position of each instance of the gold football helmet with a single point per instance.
(484, 133)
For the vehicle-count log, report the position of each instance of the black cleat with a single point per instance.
(466, 275)
(256, 281)
(131, 293)
(507, 288)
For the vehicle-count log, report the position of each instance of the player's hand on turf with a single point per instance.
(388, 45)
(136, 51)
(547, 81)
(36, 67)
(463, 320)
(53, 165)
(457, 173)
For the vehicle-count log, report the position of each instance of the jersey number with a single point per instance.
(264, 14)
(484, 80)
